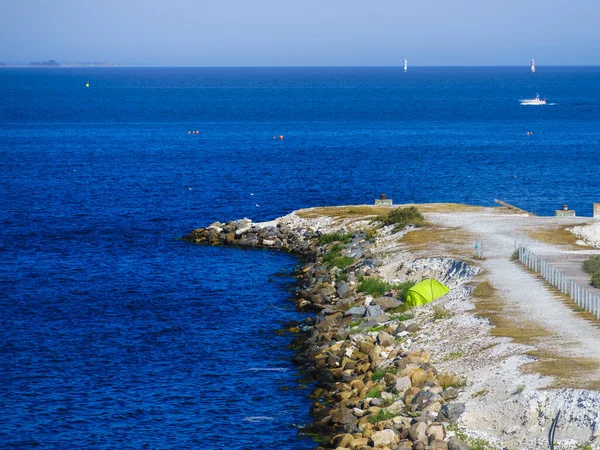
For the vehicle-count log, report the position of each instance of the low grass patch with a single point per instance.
(344, 212)
(559, 235)
(374, 392)
(484, 290)
(402, 313)
(374, 286)
(440, 313)
(380, 416)
(480, 393)
(453, 355)
(378, 287)
(449, 207)
(424, 238)
(334, 258)
(328, 238)
(378, 374)
(569, 371)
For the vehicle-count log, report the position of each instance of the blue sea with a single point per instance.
(116, 334)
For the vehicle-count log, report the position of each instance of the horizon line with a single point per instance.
(117, 65)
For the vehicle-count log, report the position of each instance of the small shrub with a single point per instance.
(371, 233)
(403, 289)
(401, 217)
(440, 313)
(373, 286)
(515, 255)
(346, 238)
(454, 355)
(592, 265)
(596, 279)
(342, 276)
(520, 388)
(449, 379)
(403, 315)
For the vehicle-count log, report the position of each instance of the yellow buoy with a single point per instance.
(87, 84)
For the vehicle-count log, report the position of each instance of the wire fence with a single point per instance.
(582, 297)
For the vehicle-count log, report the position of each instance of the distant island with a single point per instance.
(54, 63)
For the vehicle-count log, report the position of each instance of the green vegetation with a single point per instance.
(596, 279)
(376, 328)
(592, 266)
(374, 392)
(480, 393)
(402, 313)
(520, 388)
(449, 379)
(328, 238)
(484, 290)
(371, 233)
(378, 374)
(515, 255)
(440, 313)
(380, 416)
(378, 287)
(334, 258)
(454, 355)
(474, 443)
(341, 276)
(401, 217)
(374, 286)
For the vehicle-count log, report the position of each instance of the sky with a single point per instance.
(301, 32)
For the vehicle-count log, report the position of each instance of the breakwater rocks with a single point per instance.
(374, 387)
(244, 233)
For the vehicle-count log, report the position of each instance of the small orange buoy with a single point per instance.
(197, 132)
(189, 132)
(281, 137)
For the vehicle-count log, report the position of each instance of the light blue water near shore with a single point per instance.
(114, 334)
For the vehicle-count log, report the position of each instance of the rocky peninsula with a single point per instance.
(430, 377)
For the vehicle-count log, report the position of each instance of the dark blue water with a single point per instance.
(114, 334)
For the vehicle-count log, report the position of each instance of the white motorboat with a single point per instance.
(533, 101)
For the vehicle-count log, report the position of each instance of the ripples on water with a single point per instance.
(114, 334)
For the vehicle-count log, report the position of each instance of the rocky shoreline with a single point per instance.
(374, 390)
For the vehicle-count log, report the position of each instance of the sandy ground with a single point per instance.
(506, 405)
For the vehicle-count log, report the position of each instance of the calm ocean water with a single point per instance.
(114, 334)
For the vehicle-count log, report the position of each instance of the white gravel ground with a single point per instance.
(504, 406)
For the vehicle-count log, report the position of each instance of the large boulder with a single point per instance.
(384, 437)
(455, 443)
(387, 302)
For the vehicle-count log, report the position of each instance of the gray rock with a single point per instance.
(384, 339)
(456, 444)
(343, 416)
(342, 289)
(417, 432)
(449, 394)
(384, 437)
(373, 310)
(452, 411)
(402, 384)
(423, 399)
(412, 328)
(387, 302)
(356, 311)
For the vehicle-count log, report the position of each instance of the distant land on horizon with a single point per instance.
(54, 63)
(51, 63)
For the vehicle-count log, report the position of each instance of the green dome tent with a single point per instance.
(425, 292)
